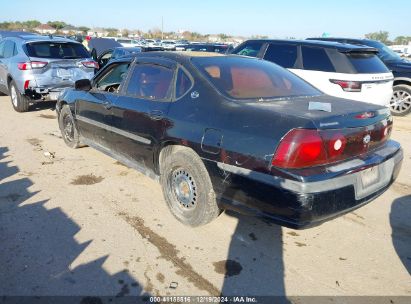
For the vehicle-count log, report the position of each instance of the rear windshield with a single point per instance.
(367, 63)
(245, 78)
(56, 50)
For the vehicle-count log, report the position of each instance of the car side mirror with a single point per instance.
(83, 85)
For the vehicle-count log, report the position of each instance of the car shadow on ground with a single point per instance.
(38, 248)
(254, 265)
(41, 106)
(401, 229)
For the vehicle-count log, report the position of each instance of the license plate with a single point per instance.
(369, 176)
(63, 73)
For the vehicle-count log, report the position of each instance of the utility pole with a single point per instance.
(162, 28)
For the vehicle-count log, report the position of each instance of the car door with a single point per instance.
(140, 112)
(104, 58)
(93, 108)
(3, 68)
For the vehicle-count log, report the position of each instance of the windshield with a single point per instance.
(366, 63)
(56, 50)
(245, 78)
(384, 52)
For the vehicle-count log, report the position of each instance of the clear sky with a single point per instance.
(278, 19)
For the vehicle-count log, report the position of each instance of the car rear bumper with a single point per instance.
(43, 87)
(301, 203)
(44, 94)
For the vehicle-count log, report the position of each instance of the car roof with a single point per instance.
(130, 49)
(33, 37)
(5, 34)
(178, 56)
(338, 39)
(341, 47)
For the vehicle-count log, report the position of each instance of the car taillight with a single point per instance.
(26, 84)
(348, 86)
(24, 66)
(90, 64)
(300, 148)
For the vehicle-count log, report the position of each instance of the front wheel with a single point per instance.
(68, 128)
(400, 103)
(187, 187)
(20, 102)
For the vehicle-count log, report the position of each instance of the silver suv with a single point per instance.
(37, 68)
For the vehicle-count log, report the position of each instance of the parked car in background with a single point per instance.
(37, 68)
(112, 54)
(152, 44)
(126, 42)
(341, 70)
(234, 132)
(208, 47)
(400, 102)
(168, 45)
(98, 46)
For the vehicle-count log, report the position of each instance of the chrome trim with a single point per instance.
(114, 129)
(385, 168)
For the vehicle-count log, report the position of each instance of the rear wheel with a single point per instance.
(20, 102)
(187, 186)
(400, 103)
(68, 128)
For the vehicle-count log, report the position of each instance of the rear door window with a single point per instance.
(150, 81)
(250, 49)
(367, 63)
(316, 59)
(284, 55)
(9, 49)
(56, 50)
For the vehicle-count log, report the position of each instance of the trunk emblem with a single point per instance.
(366, 140)
(195, 94)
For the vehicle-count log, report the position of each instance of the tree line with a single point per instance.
(383, 36)
(156, 33)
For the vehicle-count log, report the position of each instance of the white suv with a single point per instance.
(342, 70)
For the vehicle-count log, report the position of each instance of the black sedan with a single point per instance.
(234, 132)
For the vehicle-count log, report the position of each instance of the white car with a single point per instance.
(168, 45)
(343, 70)
(125, 42)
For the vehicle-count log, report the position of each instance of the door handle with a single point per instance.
(156, 115)
(108, 105)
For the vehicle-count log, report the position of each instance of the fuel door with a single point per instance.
(212, 141)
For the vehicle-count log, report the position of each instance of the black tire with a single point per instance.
(20, 102)
(68, 128)
(183, 171)
(400, 103)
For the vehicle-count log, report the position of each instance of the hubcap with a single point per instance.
(400, 101)
(68, 130)
(184, 188)
(13, 94)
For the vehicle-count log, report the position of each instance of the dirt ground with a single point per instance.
(76, 222)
